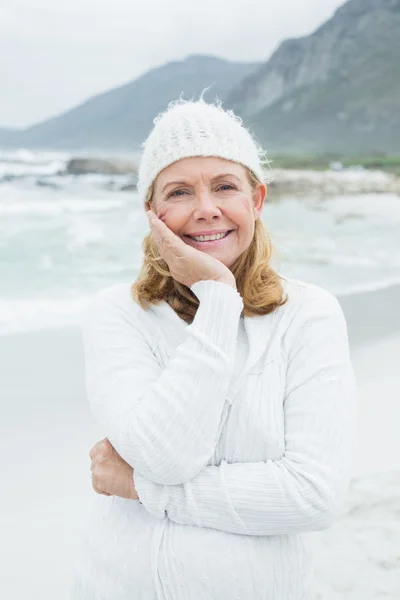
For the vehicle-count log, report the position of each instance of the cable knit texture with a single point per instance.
(188, 129)
(241, 434)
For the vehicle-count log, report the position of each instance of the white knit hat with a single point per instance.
(196, 128)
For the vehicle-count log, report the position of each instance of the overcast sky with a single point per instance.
(54, 54)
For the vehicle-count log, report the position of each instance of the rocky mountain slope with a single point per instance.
(337, 90)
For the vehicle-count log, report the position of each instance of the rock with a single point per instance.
(48, 184)
(7, 178)
(129, 187)
(331, 183)
(83, 166)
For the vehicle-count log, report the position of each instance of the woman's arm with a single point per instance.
(304, 489)
(164, 422)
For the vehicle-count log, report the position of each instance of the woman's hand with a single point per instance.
(186, 264)
(111, 474)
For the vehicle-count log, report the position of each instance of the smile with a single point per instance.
(204, 242)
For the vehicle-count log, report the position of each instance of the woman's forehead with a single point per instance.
(199, 167)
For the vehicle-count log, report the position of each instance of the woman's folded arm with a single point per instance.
(303, 490)
(164, 422)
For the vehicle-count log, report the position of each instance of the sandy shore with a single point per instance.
(47, 431)
(372, 315)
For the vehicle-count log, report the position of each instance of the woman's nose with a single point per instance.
(206, 204)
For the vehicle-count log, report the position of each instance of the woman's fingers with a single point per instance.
(173, 250)
(113, 476)
(186, 264)
(101, 446)
(99, 458)
(98, 490)
(167, 241)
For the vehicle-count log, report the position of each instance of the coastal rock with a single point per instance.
(83, 166)
(129, 187)
(47, 184)
(331, 183)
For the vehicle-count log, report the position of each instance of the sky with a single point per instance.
(55, 54)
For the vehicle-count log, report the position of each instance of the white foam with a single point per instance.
(24, 155)
(374, 207)
(19, 169)
(83, 233)
(35, 314)
(57, 206)
(369, 286)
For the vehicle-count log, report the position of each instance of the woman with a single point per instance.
(225, 391)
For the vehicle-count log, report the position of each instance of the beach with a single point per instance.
(47, 431)
(94, 121)
(359, 556)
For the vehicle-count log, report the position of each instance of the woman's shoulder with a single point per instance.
(299, 290)
(115, 299)
(313, 315)
(307, 300)
(116, 293)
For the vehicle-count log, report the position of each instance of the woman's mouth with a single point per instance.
(206, 243)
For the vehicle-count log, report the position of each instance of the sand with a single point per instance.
(47, 431)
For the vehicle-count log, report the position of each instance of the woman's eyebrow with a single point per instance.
(173, 183)
(225, 175)
(186, 183)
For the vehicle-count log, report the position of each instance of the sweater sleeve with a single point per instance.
(303, 490)
(164, 422)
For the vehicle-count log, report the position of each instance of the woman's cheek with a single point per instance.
(162, 215)
(172, 218)
(245, 203)
(166, 218)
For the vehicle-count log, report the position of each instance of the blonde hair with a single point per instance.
(257, 282)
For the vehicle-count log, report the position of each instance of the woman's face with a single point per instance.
(205, 195)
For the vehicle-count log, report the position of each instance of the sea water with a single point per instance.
(64, 237)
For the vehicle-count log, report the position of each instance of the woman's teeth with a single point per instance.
(206, 238)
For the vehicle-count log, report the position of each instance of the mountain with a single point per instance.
(334, 91)
(337, 90)
(8, 135)
(120, 119)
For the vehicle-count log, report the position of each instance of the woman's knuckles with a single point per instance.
(101, 446)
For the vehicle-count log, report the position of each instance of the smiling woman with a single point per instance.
(225, 391)
(209, 203)
(205, 182)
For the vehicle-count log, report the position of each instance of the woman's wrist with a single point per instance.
(133, 495)
(228, 281)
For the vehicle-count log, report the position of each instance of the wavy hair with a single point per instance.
(257, 282)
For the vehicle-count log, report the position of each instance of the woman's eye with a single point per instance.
(176, 192)
(227, 185)
(224, 187)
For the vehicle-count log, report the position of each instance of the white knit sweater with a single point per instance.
(241, 434)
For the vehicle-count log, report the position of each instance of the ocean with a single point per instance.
(64, 237)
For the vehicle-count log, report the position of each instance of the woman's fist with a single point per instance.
(111, 474)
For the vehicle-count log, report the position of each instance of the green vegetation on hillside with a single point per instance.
(387, 163)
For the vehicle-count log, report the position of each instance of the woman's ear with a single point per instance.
(259, 199)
